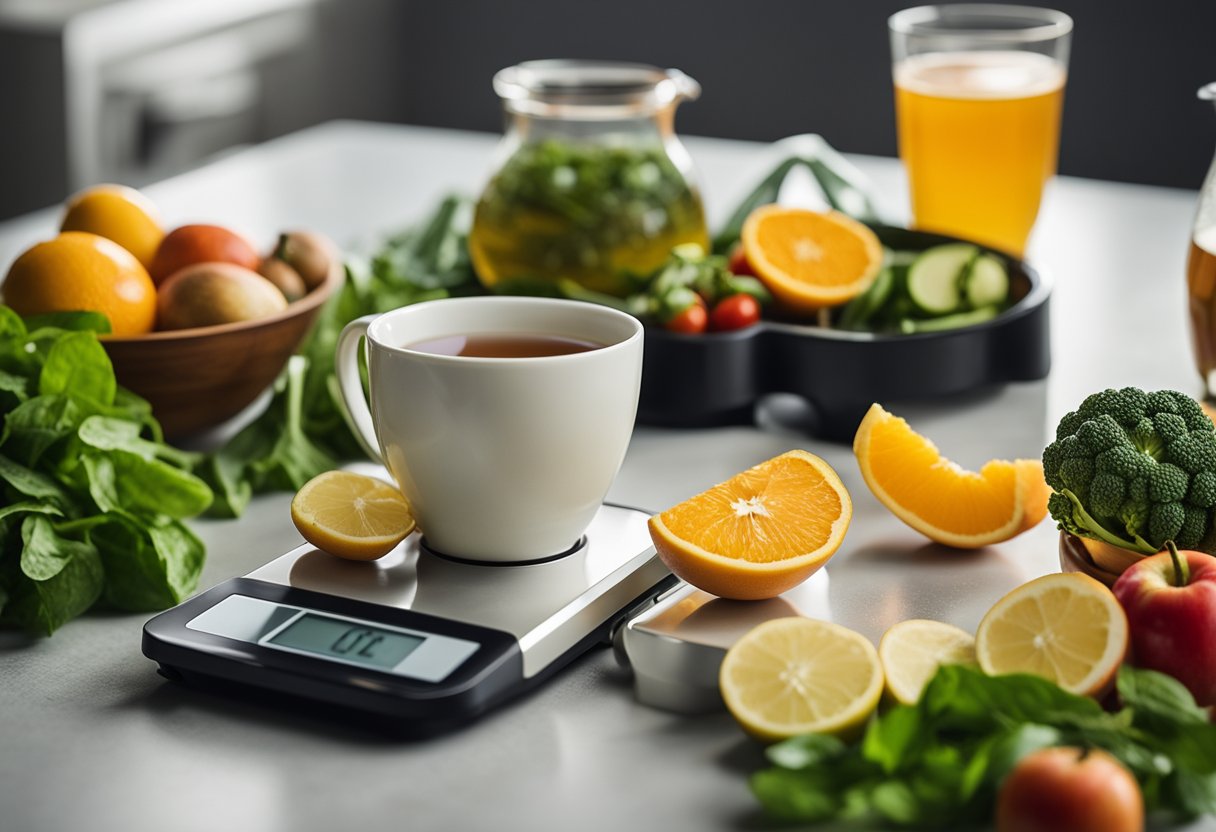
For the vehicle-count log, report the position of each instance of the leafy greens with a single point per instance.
(939, 763)
(92, 497)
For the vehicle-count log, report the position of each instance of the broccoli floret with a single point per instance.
(1135, 469)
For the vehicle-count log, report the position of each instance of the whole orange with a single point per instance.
(193, 244)
(117, 213)
(78, 272)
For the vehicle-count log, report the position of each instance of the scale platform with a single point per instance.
(415, 639)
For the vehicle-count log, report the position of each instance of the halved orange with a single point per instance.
(1064, 627)
(810, 260)
(940, 499)
(759, 533)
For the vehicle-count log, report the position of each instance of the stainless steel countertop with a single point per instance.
(92, 738)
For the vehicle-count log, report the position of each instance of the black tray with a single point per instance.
(717, 378)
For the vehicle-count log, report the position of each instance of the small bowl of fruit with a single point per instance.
(200, 323)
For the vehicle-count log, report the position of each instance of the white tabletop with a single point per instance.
(92, 738)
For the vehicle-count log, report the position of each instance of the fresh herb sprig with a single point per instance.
(91, 499)
(939, 763)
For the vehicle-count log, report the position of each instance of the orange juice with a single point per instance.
(978, 133)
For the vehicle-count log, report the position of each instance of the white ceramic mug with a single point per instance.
(502, 459)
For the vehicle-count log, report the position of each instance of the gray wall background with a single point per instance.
(771, 68)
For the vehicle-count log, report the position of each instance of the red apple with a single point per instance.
(1171, 619)
(1069, 790)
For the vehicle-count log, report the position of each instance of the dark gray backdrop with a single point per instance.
(771, 68)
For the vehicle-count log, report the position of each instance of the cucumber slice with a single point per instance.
(987, 284)
(956, 321)
(935, 279)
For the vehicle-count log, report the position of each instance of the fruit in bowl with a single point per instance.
(196, 326)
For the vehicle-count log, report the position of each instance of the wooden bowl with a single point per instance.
(196, 379)
(1094, 558)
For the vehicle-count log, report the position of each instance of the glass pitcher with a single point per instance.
(592, 184)
(1201, 275)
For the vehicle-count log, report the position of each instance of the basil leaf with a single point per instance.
(77, 364)
(28, 507)
(894, 739)
(1158, 699)
(182, 554)
(124, 479)
(225, 474)
(107, 433)
(35, 426)
(45, 553)
(963, 697)
(15, 385)
(795, 796)
(45, 606)
(147, 567)
(31, 483)
(896, 801)
(12, 328)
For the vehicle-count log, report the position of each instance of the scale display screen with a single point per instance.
(338, 639)
(402, 651)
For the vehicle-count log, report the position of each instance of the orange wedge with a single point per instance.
(759, 533)
(351, 516)
(810, 260)
(941, 500)
(1064, 627)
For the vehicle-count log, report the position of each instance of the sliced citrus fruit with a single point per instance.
(795, 676)
(351, 516)
(810, 260)
(759, 533)
(1064, 627)
(913, 650)
(940, 499)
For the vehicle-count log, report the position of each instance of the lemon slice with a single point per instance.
(351, 516)
(913, 650)
(795, 676)
(1065, 627)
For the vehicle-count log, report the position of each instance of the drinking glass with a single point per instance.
(978, 95)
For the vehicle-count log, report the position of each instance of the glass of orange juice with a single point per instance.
(978, 95)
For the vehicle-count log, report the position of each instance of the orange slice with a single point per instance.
(351, 516)
(759, 533)
(939, 499)
(810, 260)
(1065, 627)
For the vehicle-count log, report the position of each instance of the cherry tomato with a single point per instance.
(691, 320)
(738, 262)
(735, 312)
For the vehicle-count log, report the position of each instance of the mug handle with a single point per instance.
(346, 366)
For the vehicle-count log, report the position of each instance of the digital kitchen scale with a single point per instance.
(416, 639)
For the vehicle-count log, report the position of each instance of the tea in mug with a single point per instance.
(504, 345)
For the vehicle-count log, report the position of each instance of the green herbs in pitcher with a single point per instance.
(590, 213)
